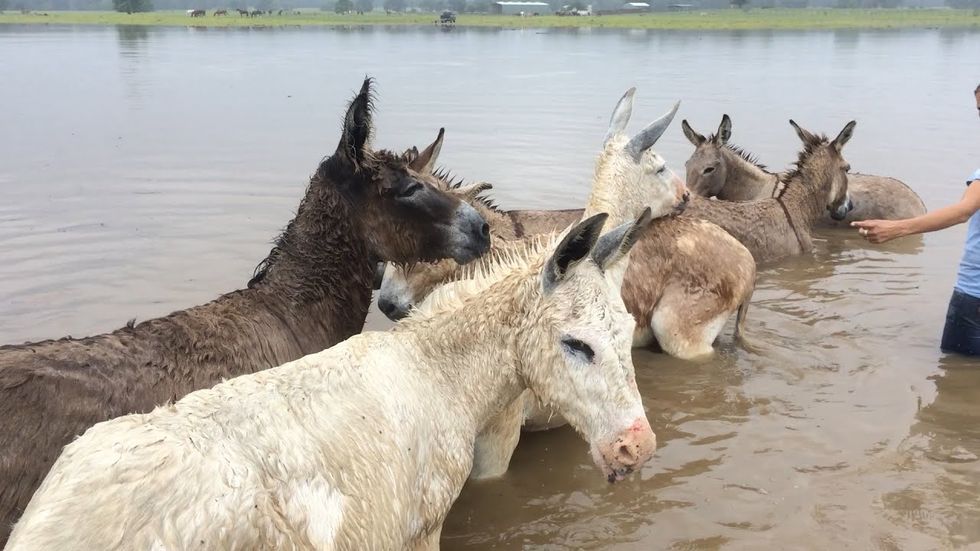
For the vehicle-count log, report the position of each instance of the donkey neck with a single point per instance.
(475, 349)
(805, 195)
(320, 272)
(745, 180)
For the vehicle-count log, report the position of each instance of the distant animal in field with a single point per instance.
(198, 13)
(220, 12)
(254, 13)
(241, 12)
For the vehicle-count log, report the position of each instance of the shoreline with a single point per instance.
(695, 20)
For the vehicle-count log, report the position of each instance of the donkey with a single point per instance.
(780, 226)
(290, 457)
(311, 292)
(687, 277)
(720, 169)
(685, 280)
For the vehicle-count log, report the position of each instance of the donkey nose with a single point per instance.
(389, 309)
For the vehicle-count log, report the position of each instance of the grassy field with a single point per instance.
(760, 19)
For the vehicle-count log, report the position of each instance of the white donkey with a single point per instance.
(367, 444)
(686, 277)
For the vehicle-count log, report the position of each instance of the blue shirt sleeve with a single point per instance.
(974, 176)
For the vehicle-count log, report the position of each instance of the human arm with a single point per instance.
(879, 231)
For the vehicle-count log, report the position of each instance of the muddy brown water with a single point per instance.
(146, 170)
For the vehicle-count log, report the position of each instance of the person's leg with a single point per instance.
(962, 331)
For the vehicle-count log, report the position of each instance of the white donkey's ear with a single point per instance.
(425, 162)
(575, 247)
(649, 135)
(615, 245)
(621, 115)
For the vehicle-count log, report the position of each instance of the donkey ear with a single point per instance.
(356, 134)
(724, 130)
(649, 135)
(844, 136)
(426, 160)
(471, 191)
(805, 135)
(621, 115)
(615, 245)
(692, 136)
(575, 247)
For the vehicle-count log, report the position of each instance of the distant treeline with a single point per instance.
(461, 6)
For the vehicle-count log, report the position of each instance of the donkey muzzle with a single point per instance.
(841, 211)
(626, 451)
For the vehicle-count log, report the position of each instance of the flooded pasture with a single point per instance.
(144, 170)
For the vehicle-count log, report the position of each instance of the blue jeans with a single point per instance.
(962, 331)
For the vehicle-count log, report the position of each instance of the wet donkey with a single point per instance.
(365, 445)
(311, 292)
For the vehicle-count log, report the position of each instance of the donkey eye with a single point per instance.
(709, 170)
(847, 168)
(578, 348)
(410, 190)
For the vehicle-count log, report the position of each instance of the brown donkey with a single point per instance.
(780, 226)
(719, 169)
(311, 292)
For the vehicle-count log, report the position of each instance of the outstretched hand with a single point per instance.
(879, 231)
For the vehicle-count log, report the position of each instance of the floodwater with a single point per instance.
(146, 170)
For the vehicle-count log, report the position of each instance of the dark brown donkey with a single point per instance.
(312, 291)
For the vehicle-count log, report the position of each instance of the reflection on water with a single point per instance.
(147, 169)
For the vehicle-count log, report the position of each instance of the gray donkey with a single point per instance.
(311, 292)
(780, 226)
(719, 169)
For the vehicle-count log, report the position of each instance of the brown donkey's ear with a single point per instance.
(806, 136)
(356, 134)
(576, 246)
(724, 130)
(692, 136)
(425, 163)
(616, 244)
(844, 136)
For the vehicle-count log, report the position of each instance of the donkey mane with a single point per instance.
(475, 278)
(451, 181)
(323, 176)
(750, 158)
(809, 146)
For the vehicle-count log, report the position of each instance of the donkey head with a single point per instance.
(629, 174)
(405, 285)
(821, 161)
(707, 170)
(577, 357)
(402, 216)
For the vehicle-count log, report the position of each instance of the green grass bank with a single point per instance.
(732, 19)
